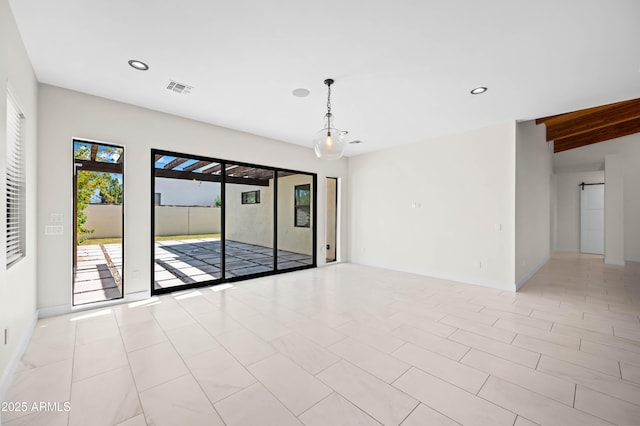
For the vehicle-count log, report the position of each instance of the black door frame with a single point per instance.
(77, 169)
(335, 222)
(223, 181)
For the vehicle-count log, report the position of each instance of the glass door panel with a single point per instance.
(187, 221)
(295, 220)
(98, 215)
(248, 220)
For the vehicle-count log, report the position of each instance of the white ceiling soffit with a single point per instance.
(403, 68)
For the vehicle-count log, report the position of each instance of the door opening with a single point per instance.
(592, 218)
(98, 176)
(332, 218)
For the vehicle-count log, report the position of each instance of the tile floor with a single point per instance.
(350, 345)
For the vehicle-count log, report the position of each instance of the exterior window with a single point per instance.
(302, 202)
(15, 184)
(251, 197)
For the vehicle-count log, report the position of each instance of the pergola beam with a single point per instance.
(592, 125)
(175, 163)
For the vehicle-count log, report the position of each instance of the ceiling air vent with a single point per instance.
(177, 87)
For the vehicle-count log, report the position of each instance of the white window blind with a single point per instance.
(15, 183)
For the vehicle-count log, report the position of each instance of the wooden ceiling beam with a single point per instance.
(196, 165)
(242, 171)
(178, 174)
(601, 134)
(216, 167)
(175, 163)
(94, 151)
(591, 119)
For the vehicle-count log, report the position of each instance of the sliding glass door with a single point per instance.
(187, 202)
(216, 220)
(295, 220)
(248, 220)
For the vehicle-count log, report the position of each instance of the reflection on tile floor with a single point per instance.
(98, 273)
(180, 262)
(349, 344)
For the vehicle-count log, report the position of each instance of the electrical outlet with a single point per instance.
(328, 246)
(53, 230)
(56, 218)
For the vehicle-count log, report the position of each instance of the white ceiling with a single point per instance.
(403, 68)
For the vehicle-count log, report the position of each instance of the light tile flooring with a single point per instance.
(350, 345)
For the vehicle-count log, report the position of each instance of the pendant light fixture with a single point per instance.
(329, 142)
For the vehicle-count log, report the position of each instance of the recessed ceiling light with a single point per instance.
(300, 92)
(478, 90)
(139, 65)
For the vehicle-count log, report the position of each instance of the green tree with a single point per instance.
(87, 185)
(218, 201)
(112, 194)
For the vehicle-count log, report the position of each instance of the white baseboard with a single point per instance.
(54, 311)
(526, 277)
(609, 261)
(335, 262)
(7, 377)
(460, 279)
(565, 250)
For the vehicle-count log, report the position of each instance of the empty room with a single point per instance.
(339, 213)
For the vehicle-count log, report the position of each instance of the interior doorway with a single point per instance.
(592, 218)
(332, 219)
(98, 187)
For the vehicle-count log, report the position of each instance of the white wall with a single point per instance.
(65, 114)
(104, 219)
(533, 199)
(291, 237)
(182, 192)
(178, 220)
(568, 207)
(463, 190)
(260, 215)
(628, 148)
(18, 283)
(614, 210)
(238, 215)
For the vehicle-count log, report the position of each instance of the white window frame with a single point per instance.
(15, 182)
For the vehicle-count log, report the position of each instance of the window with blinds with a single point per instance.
(15, 183)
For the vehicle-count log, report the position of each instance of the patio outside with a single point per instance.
(189, 261)
(179, 261)
(98, 275)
